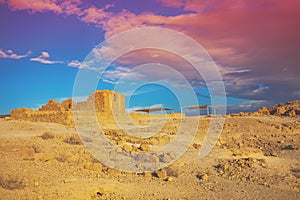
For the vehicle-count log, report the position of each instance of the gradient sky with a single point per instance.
(255, 44)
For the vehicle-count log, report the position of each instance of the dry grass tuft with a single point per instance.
(47, 135)
(11, 183)
(73, 140)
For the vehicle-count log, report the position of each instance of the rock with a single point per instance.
(127, 148)
(292, 113)
(264, 111)
(169, 179)
(197, 146)
(144, 147)
(204, 177)
(291, 109)
(273, 153)
(162, 173)
(147, 174)
(280, 110)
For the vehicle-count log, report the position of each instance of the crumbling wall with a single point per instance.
(103, 101)
(51, 106)
(68, 104)
(61, 117)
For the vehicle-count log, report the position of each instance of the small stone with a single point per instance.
(204, 177)
(197, 146)
(147, 174)
(169, 179)
(127, 148)
(282, 141)
(266, 184)
(273, 153)
(144, 147)
(161, 174)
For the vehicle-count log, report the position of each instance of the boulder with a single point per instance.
(264, 111)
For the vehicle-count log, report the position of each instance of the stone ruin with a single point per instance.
(104, 102)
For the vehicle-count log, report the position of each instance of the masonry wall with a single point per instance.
(107, 104)
(61, 117)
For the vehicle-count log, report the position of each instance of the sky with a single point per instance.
(46, 44)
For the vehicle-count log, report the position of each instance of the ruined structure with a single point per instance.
(106, 103)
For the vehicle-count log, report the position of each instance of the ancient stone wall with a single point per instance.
(51, 106)
(61, 117)
(106, 103)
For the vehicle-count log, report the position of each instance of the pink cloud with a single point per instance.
(230, 31)
(72, 7)
(96, 15)
(35, 5)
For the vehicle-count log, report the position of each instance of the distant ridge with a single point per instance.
(291, 109)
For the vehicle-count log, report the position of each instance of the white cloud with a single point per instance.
(43, 58)
(252, 104)
(45, 54)
(82, 65)
(10, 54)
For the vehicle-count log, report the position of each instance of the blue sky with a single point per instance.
(43, 46)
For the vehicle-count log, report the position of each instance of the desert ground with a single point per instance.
(256, 157)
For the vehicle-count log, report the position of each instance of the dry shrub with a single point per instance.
(37, 149)
(173, 171)
(47, 135)
(61, 158)
(296, 172)
(73, 140)
(11, 183)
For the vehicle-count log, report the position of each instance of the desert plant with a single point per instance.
(73, 140)
(47, 135)
(11, 183)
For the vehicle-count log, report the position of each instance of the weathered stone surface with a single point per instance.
(289, 109)
(106, 103)
(264, 111)
(144, 147)
(51, 106)
(127, 148)
(162, 173)
(68, 104)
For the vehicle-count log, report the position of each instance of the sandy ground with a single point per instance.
(255, 158)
